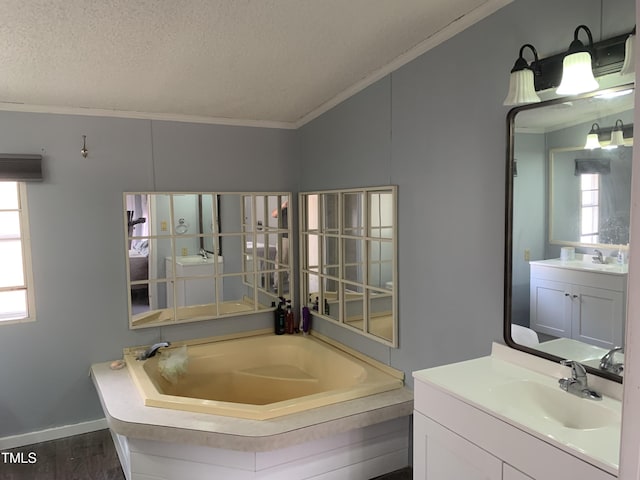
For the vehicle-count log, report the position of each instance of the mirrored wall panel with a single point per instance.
(349, 259)
(568, 204)
(199, 256)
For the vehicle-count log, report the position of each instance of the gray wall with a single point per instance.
(529, 218)
(435, 127)
(78, 247)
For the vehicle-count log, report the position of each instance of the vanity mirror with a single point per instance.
(204, 255)
(567, 227)
(348, 256)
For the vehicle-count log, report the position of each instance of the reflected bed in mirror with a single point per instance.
(191, 256)
(567, 228)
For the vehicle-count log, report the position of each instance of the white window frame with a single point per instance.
(588, 208)
(25, 238)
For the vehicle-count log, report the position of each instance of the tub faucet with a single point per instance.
(607, 363)
(577, 384)
(203, 253)
(598, 258)
(152, 350)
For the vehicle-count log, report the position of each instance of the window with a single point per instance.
(16, 283)
(589, 207)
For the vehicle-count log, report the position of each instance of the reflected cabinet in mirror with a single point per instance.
(348, 255)
(198, 256)
(567, 228)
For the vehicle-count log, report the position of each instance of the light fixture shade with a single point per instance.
(617, 135)
(592, 138)
(617, 139)
(577, 75)
(521, 88)
(592, 142)
(629, 65)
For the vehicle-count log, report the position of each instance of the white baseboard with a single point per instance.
(52, 434)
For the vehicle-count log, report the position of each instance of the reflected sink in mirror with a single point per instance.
(584, 262)
(195, 260)
(561, 195)
(542, 402)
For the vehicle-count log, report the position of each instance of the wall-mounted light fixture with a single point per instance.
(615, 135)
(592, 138)
(607, 57)
(84, 150)
(629, 65)
(521, 81)
(577, 71)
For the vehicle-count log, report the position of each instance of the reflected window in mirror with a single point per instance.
(349, 259)
(205, 255)
(567, 227)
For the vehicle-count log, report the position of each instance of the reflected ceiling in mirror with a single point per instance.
(567, 224)
(204, 255)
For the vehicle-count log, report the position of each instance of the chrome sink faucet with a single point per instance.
(608, 364)
(152, 350)
(577, 384)
(598, 257)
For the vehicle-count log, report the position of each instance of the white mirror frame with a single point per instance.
(363, 289)
(250, 274)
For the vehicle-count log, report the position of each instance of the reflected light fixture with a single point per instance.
(629, 65)
(521, 81)
(592, 138)
(617, 135)
(577, 71)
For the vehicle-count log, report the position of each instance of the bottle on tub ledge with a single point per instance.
(279, 317)
(289, 319)
(306, 320)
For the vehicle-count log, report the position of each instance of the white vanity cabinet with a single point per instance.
(584, 305)
(194, 280)
(453, 439)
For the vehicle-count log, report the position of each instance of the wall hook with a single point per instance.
(84, 150)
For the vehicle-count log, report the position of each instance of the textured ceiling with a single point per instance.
(271, 62)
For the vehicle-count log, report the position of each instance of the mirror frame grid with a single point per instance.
(171, 314)
(508, 250)
(322, 272)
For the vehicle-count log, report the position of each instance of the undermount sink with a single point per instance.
(536, 400)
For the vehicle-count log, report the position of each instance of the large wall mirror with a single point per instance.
(567, 228)
(204, 255)
(348, 256)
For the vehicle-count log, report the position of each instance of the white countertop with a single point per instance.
(127, 415)
(482, 383)
(585, 264)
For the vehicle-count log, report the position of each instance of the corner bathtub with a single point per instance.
(262, 377)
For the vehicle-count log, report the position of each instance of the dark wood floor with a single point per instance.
(90, 456)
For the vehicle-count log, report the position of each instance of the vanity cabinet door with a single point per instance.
(551, 307)
(597, 316)
(440, 454)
